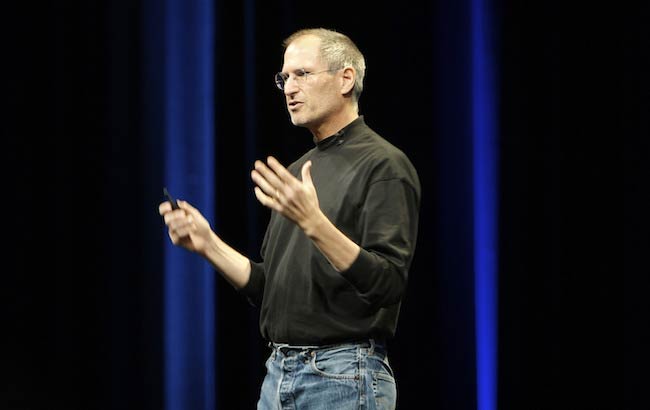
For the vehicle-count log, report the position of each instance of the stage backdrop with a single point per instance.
(494, 102)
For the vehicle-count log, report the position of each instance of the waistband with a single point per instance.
(373, 346)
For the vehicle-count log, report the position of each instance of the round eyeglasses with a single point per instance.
(299, 76)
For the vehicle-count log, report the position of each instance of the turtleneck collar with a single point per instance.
(338, 138)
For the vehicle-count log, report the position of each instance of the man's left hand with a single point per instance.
(279, 190)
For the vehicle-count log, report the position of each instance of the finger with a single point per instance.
(168, 217)
(173, 215)
(282, 172)
(266, 200)
(186, 206)
(306, 173)
(164, 207)
(175, 239)
(179, 222)
(189, 210)
(184, 231)
(268, 174)
(263, 183)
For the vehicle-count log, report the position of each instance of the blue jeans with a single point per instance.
(348, 376)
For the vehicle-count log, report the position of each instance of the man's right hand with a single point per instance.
(186, 226)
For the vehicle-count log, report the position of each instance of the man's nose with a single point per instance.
(290, 85)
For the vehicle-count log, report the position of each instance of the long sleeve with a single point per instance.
(388, 223)
(254, 289)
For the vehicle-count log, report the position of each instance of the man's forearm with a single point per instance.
(340, 250)
(234, 266)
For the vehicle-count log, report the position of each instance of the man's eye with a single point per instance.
(301, 73)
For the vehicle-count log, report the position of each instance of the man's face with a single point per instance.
(312, 98)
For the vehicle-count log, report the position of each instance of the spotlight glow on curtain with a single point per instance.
(485, 204)
(250, 129)
(189, 174)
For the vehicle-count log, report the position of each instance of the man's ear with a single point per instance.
(348, 79)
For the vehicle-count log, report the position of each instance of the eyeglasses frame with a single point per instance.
(281, 78)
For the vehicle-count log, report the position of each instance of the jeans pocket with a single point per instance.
(381, 366)
(336, 364)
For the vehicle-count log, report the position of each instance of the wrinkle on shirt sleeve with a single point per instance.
(254, 289)
(388, 224)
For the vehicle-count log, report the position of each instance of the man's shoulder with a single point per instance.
(382, 150)
(386, 160)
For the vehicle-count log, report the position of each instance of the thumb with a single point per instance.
(306, 173)
(184, 205)
(195, 216)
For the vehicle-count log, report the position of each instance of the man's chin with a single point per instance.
(298, 121)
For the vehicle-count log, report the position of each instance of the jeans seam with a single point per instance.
(362, 377)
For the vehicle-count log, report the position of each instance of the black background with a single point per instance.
(82, 176)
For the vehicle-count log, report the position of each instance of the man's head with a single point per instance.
(322, 78)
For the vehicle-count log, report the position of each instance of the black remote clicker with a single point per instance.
(170, 198)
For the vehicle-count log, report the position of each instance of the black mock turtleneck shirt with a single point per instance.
(370, 191)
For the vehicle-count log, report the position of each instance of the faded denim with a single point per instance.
(351, 376)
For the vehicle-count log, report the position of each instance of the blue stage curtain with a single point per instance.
(467, 197)
(485, 181)
(179, 41)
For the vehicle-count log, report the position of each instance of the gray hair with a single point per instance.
(338, 51)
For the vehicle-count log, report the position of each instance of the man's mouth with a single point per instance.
(293, 105)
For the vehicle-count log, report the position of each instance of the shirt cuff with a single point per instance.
(254, 288)
(358, 273)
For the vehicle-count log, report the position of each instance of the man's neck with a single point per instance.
(335, 124)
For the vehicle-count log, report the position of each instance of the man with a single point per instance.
(338, 245)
